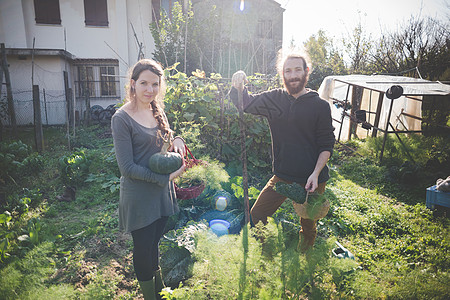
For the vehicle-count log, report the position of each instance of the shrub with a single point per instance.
(17, 160)
(74, 168)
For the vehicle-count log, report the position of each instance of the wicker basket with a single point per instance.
(192, 191)
(302, 210)
(189, 192)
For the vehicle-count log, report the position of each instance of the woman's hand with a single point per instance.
(238, 80)
(178, 172)
(178, 146)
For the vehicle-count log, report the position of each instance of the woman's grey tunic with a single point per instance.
(144, 196)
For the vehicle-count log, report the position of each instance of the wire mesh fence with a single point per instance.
(52, 104)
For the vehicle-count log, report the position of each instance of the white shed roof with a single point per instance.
(381, 83)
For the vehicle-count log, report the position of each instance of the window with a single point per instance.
(265, 29)
(86, 81)
(107, 81)
(97, 78)
(47, 12)
(96, 12)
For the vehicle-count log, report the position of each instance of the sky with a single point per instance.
(338, 17)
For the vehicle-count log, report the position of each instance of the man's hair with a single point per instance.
(282, 57)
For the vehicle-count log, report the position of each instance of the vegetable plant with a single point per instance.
(211, 173)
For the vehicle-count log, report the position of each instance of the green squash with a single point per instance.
(165, 162)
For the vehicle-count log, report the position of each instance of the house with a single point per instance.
(93, 42)
(79, 51)
(253, 29)
(235, 34)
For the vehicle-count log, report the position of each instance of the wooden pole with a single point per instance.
(378, 114)
(69, 114)
(45, 107)
(87, 120)
(68, 106)
(1, 86)
(243, 155)
(38, 135)
(11, 110)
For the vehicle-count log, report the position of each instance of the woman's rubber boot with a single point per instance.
(159, 283)
(148, 289)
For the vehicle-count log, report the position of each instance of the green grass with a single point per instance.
(400, 247)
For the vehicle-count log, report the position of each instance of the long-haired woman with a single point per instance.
(147, 199)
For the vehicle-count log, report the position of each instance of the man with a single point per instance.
(302, 138)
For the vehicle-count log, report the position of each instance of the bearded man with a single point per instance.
(302, 138)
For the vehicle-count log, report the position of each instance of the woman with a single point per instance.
(147, 199)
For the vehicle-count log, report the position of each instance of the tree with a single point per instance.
(420, 48)
(169, 36)
(358, 46)
(325, 59)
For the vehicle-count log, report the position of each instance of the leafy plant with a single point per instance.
(74, 167)
(17, 159)
(5, 234)
(293, 191)
(208, 171)
(235, 186)
(107, 181)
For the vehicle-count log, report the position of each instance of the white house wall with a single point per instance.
(116, 41)
(18, 27)
(12, 26)
(49, 77)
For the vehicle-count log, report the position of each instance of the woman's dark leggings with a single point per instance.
(146, 249)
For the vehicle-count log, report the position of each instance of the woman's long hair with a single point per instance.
(158, 103)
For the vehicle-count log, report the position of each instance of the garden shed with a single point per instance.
(422, 101)
(361, 108)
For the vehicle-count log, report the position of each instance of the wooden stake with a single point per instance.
(39, 136)
(243, 155)
(11, 110)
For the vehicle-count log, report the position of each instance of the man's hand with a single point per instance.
(312, 183)
(238, 80)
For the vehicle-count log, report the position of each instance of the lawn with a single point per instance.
(53, 249)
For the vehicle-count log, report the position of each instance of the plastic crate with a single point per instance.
(435, 197)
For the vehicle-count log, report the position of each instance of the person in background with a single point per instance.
(302, 137)
(147, 199)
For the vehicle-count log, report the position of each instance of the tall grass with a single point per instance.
(272, 269)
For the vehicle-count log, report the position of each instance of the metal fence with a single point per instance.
(52, 102)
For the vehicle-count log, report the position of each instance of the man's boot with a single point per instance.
(148, 289)
(307, 235)
(159, 283)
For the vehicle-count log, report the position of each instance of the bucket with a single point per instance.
(219, 227)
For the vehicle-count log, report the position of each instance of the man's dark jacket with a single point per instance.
(300, 128)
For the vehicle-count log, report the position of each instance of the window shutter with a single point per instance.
(47, 12)
(96, 12)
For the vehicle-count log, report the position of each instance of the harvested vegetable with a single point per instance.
(293, 191)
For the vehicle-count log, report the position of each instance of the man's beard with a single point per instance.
(295, 89)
